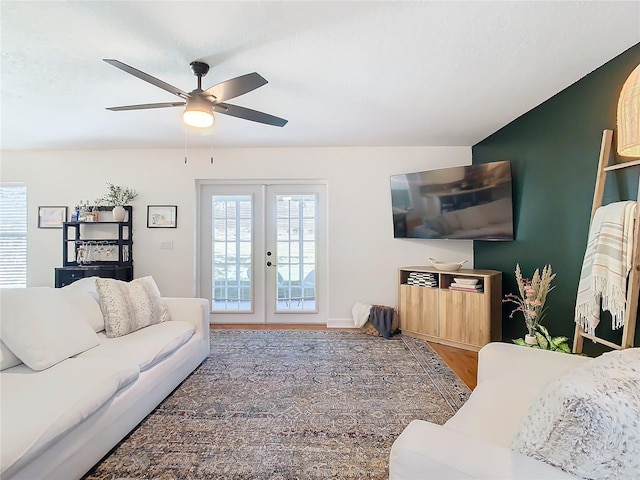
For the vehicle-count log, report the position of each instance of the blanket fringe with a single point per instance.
(613, 301)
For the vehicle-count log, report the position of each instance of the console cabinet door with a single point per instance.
(419, 309)
(464, 317)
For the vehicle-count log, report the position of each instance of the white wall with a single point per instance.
(363, 255)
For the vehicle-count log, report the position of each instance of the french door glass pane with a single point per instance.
(232, 235)
(296, 252)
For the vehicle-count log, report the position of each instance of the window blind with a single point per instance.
(13, 235)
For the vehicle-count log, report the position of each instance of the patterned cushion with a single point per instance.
(587, 422)
(129, 306)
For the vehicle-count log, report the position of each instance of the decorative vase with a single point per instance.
(530, 339)
(118, 213)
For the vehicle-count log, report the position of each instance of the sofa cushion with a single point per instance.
(45, 405)
(88, 301)
(144, 347)
(491, 400)
(587, 422)
(129, 306)
(42, 326)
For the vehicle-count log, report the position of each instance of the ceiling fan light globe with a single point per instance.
(198, 113)
(196, 118)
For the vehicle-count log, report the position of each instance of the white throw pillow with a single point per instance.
(129, 306)
(88, 301)
(42, 327)
(8, 359)
(587, 422)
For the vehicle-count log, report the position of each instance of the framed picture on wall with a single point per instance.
(162, 216)
(51, 217)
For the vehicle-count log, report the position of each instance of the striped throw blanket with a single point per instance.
(607, 261)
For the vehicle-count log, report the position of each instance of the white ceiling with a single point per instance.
(387, 73)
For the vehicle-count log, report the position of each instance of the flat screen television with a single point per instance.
(471, 202)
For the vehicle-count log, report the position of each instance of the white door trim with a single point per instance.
(322, 284)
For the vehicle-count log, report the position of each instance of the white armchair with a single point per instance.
(474, 443)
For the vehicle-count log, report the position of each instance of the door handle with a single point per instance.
(269, 264)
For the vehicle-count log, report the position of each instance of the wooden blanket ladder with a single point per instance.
(633, 285)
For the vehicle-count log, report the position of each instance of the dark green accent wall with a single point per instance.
(554, 152)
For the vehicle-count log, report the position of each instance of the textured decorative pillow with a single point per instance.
(587, 422)
(130, 306)
(42, 327)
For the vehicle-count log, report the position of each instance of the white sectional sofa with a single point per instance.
(550, 390)
(58, 421)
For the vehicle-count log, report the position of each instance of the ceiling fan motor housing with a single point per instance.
(199, 69)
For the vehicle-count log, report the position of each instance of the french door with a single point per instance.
(263, 251)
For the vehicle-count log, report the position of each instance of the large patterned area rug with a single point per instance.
(289, 405)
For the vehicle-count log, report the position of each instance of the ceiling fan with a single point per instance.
(200, 104)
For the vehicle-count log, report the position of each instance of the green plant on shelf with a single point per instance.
(118, 196)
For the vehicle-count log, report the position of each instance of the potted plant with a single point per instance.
(118, 197)
(545, 341)
(533, 294)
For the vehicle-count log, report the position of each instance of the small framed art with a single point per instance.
(51, 217)
(162, 216)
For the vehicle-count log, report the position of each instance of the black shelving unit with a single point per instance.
(101, 249)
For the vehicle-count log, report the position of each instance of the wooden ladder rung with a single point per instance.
(600, 340)
(617, 166)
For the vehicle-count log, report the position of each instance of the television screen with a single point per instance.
(471, 202)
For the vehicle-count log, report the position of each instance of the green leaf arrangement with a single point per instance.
(546, 341)
(117, 195)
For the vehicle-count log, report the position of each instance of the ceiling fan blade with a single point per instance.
(144, 106)
(236, 86)
(248, 114)
(147, 78)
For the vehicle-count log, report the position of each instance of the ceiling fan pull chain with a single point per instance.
(211, 145)
(185, 144)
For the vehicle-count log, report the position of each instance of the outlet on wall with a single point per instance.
(168, 245)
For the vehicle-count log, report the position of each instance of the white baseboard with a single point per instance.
(340, 323)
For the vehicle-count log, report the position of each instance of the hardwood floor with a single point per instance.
(463, 362)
